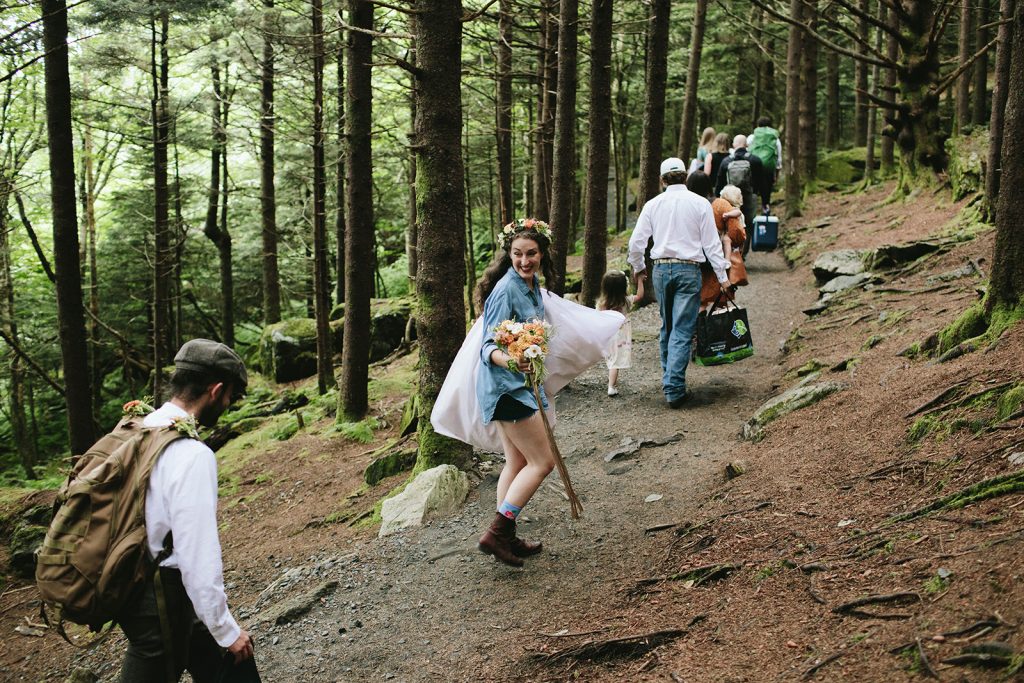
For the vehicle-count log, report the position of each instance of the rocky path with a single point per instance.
(426, 605)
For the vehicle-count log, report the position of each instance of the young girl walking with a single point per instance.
(614, 297)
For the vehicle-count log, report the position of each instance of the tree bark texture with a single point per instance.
(339, 181)
(686, 128)
(1000, 86)
(860, 114)
(831, 99)
(892, 53)
(70, 311)
(792, 154)
(547, 76)
(268, 192)
(163, 258)
(321, 272)
(564, 168)
(963, 83)
(503, 124)
(979, 101)
(809, 97)
(360, 236)
(654, 101)
(869, 157)
(598, 151)
(1006, 286)
(441, 316)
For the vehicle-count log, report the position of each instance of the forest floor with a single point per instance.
(742, 579)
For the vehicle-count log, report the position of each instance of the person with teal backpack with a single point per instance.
(765, 144)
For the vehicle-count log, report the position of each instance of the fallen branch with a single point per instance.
(925, 664)
(699, 575)
(688, 529)
(990, 622)
(852, 608)
(942, 396)
(615, 648)
(828, 660)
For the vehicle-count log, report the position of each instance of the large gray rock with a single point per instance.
(794, 399)
(287, 350)
(845, 282)
(840, 262)
(291, 609)
(434, 493)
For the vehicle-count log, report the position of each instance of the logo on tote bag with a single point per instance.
(739, 328)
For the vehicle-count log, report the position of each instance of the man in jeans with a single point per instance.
(683, 228)
(180, 619)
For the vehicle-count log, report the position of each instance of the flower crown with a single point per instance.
(521, 225)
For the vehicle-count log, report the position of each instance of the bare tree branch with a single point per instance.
(941, 86)
(476, 14)
(32, 236)
(32, 364)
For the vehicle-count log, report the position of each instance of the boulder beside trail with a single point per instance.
(794, 399)
(831, 264)
(434, 493)
(966, 162)
(845, 282)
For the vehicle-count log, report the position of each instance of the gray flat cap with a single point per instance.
(205, 355)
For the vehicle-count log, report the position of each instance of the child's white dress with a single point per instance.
(619, 355)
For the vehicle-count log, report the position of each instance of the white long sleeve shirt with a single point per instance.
(683, 227)
(182, 499)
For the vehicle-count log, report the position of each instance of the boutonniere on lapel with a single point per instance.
(186, 426)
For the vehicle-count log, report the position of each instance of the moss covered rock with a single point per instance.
(843, 167)
(24, 541)
(794, 399)
(966, 169)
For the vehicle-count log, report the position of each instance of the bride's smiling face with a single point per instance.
(526, 257)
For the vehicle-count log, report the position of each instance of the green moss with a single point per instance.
(842, 167)
(792, 253)
(922, 427)
(966, 154)
(1010, 402)
(1003, 318)
(286, 430)
(361, 431)
(872, 341)
(969, 325)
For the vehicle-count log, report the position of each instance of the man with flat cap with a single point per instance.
(682, 225)
(181, 500)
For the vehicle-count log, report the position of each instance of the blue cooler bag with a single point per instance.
(766, 233)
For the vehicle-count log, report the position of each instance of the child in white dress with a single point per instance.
(614, 297)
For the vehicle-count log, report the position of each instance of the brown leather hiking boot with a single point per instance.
(498, 539)
(523, 548)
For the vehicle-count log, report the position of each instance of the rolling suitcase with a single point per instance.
(766, 233)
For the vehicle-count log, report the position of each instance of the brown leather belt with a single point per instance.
(677, 260)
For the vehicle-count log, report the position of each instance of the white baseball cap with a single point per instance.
(672, 164)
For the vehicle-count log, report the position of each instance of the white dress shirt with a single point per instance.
(683, 227)
(182, 498)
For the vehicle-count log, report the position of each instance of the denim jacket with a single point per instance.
(511, 299)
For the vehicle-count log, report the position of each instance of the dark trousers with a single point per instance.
(193, 648)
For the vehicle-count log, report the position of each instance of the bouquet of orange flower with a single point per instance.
(527, 340)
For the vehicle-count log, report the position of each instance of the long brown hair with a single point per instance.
(721, 143)
(614, 287)
(502, 261)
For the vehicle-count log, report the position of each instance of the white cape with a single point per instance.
(579, 340)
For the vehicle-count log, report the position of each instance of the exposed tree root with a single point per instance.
(699, 575)
(688, 528)
(627, 647)
(925, 664)
(983, 490)
(853, 608)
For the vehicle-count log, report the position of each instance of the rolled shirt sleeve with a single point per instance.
(192, 507)
(642, 233)
(497, 309)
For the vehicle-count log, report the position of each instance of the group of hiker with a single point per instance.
(171, 603)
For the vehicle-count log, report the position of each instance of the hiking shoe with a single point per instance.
(677, 403)
(612, 391)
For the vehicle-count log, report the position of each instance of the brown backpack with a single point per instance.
(95, 552)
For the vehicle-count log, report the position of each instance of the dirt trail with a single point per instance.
(426, 605)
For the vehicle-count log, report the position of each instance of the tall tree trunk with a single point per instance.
(809, 98)
(892, 52)
(469, 258)
(70, 311)
(1000, 88)
(1006, 286)
(268, 192)
(860, 115)
(92, 325)
(216, 230)
(360, 238)
(163, 260)
(598, 151)
(321, 271)
(23, 442)
(686, 128)
(503, 102)
(654, 101)
(441, 314)
(963, 83)
(412, 229)
(869, 159)
(548, 77)
(563, 174)
(791, 159)
(979, 101)
(339, 183)
(831, 99)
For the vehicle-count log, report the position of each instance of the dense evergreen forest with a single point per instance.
(236, 169)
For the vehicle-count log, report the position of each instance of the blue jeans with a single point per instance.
(677, 286)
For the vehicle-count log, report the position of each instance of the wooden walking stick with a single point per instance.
(575, 507)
